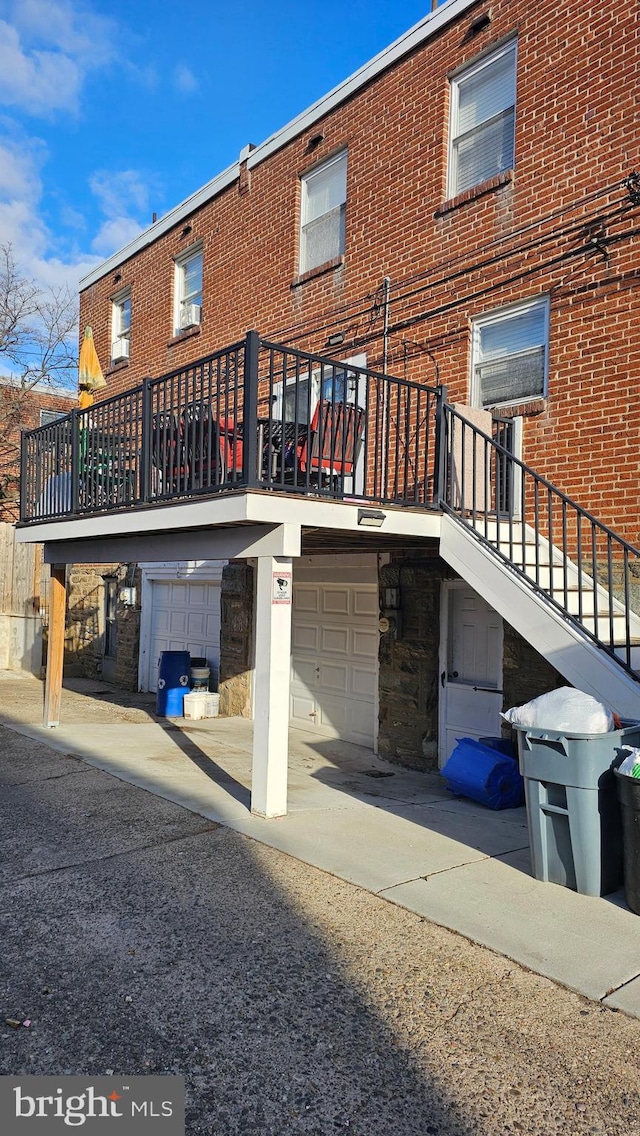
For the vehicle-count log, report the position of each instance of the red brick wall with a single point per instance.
(20, 410)
(576, 139)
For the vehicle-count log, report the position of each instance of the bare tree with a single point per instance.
(38, 347)
(37, 328)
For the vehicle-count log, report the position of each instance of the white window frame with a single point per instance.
(48, 417)
(340, 162)
(120, 326)
(317, 376)
(181, 297)
(454, 134)
(500, 316)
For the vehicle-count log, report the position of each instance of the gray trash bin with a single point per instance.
(572, 806)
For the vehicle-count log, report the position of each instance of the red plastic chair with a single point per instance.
(331, 449)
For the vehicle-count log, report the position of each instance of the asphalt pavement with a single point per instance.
(141, 937)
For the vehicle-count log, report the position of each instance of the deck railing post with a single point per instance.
(24, 440)
(250, 412)
(145, 452)
(440, 447)
(75, 460)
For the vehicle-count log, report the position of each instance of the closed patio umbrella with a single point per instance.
(90, 377)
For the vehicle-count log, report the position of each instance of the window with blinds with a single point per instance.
(322, 213)
(510, 350)
(482, 130)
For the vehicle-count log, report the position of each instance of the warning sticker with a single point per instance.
(281, 588)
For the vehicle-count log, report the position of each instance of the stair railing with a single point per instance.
(573, 561)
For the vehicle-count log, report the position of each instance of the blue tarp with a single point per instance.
(485, 774)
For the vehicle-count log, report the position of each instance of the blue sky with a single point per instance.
(111, 111)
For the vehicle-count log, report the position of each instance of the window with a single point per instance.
(120, 326)
(301, 395)
(322, 213)
(483, 120)
(510, 354)
(110, 616)
(188, 290)
(49, 416)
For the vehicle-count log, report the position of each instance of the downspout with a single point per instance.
(386, 289)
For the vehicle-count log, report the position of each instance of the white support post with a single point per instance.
(274, 580)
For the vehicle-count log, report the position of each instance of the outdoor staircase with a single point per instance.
(561, 578)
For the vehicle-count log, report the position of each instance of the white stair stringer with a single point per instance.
(544, 564)
(573, 654)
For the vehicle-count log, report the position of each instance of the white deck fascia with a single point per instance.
(230, 510)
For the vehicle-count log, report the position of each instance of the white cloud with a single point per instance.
(38, 83)
(47, 48)
(184, 79)
(21, 222)
(71, 28)
(115, 234)
(123, 197)
(123, 189)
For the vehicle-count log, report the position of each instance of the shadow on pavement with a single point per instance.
(139, 938)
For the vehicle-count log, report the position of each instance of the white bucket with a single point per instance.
(200, 678)
(212, 705)
(195, 705)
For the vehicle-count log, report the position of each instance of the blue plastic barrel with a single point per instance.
(484, 774)
(173, 683)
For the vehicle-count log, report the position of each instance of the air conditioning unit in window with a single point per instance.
(119, 350)
(190, 315)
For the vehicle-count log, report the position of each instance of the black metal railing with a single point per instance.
(574, 561)
(256, 415)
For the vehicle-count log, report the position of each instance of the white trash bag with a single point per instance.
(631, 764)
(563, 709)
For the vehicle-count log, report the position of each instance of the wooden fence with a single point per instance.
(23, 603)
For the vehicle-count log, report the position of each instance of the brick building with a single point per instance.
(23, 410)
(462, 213)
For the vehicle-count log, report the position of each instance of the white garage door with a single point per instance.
(185, 617)
(335, 659)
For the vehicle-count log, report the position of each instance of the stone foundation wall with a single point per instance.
(236, 639)
(128, 633)
(84, 635)
(409, 665)
(408, 725)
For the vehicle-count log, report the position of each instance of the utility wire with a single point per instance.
(338, 315)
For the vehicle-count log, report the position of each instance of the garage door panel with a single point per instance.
(365, 643)
(303, 673)
(306, 599)
(335, 601)
(333, 678)
(334, 640)
(363, 683)
(365, 602)
(302, 710)
(338, 719)
(195, 624)
(178, 622)
(305, 637)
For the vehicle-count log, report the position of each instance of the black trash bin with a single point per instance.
(629, 798)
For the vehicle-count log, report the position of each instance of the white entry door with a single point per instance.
(185, 617)
(334, 659)
(471, 669)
